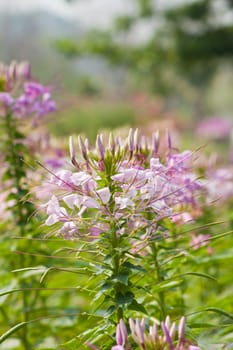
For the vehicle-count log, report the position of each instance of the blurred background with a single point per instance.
(114, 64)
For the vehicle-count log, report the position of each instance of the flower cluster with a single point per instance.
(124, 181)
(152, 340)
(22, 96)
(215, 128)
(219, 184)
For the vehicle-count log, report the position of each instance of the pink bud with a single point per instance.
(121, 333)
(155, 142)
(72, 152)
(181, 330)
(130, 141)
(12, 70)
(169, 141)
(82, 147)
(111, 143)
(136, 140)
(23, 70)
(100, 146)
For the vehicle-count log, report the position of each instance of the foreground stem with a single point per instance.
(160, 278)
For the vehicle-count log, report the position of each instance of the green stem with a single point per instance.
(17, 173)
(25, 340)
(15, 164)
(116, 268)
(160, 278)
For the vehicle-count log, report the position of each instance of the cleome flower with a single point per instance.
(170, 337)
(124, 181)
(21, 95)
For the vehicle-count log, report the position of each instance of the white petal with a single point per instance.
(104, 194)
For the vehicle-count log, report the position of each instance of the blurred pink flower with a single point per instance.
(214, 128)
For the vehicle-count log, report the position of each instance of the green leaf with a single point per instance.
(137, 307)
(219, 311)
(106, 286)
(199, 274)
(124, 299)
(122, 278)
(133, 267)
(202, 325)
(12, 330)
(168, 285)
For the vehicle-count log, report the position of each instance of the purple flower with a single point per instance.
(35, 99)
(164, 339)
(121, 333)
(6, 99)
(33, 90)
(135, 187)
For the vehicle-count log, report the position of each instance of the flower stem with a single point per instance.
(116, 269)
(17, 173)
(160, 278)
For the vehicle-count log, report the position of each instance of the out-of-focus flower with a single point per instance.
(199, 241)
(214, 128)
(218, 184)
(13, 74)
(36, 100)
(21, 96)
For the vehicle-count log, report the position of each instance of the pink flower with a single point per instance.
(215, 128)
(199, 241)
(126, 187)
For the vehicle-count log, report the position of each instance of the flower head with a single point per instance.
(168, 338)
(125, 183)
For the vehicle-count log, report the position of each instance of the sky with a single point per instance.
(87, 12)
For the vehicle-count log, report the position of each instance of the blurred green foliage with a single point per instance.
(188, 41)
(91, 117)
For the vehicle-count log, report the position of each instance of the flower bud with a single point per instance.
(23, 70)
(111, 143)
(121, 333)
(12, 70)
(130, 141)
(83, 148)
(136, 140)
(169, 141)
(100, 146)
(72, 152)
(181, 330)
(155, 143)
